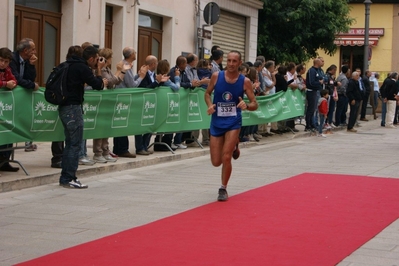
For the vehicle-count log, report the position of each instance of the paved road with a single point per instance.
(37, 221)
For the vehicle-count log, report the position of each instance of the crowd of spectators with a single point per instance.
(328, 96)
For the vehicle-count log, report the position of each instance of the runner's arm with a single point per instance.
(208, 93)
(253, 104)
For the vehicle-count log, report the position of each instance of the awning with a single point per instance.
(348, 40)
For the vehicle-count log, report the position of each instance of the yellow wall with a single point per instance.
(381, 16)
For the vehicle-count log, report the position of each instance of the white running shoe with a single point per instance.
(99, 159)
(181, 146)
(86, 161)
(109, 158)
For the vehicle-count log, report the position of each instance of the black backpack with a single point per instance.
(56, 89)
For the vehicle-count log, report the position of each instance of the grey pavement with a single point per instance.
(42, 219)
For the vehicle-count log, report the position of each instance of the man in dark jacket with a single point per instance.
(24, 69)
(355, 96)
(314, 83)
(71, 115)
(366, 95)
(391, 96)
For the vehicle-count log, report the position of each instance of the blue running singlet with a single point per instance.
(227, 116)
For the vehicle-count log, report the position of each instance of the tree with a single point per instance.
(293, 30)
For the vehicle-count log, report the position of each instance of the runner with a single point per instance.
(228, 87)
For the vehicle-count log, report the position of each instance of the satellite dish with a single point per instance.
(211, 13)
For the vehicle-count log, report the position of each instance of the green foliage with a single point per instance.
(293, 30)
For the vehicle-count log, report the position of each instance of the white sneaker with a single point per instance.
(256, 135)
(181, 146)
(333, 126)
(173, 146)
(251, 138)
(86, 161)
(109, 158)
(322, 135)
(99, 159)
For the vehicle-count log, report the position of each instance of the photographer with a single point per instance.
(70, 112)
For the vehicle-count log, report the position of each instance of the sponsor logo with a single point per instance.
(227, 96)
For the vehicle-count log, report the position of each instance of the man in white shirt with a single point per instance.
(374, 78)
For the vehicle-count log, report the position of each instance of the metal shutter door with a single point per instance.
(229, 33)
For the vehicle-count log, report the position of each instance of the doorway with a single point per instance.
(44, 28)
(352, 56)
(150, 37)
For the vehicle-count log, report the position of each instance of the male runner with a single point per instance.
(229, 87)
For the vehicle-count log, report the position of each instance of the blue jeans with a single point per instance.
(311, 97)
(142, 142)
(383, 113)
(342, 108)
(316, 112)
(178, 138)
(331, 108)
(72, 119)
(83, 149)
(375, 99)
(321, 123)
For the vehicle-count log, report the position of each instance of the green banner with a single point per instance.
(26, 115)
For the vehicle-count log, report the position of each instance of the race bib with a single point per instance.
(227, 109)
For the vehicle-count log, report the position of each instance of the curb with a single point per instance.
(44, 179)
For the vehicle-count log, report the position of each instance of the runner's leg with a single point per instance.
(216, 147)
(230, 142)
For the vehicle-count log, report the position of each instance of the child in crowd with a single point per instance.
(203, 71)
(7, 79)
(163, 68)
(323, 110)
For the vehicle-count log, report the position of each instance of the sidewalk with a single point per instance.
(37, 163)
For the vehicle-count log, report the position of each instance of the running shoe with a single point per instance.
(222, 195)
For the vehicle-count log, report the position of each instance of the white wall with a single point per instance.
(7, 24)
(179, 27)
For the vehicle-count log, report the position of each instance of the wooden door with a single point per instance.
(44, 28)
(150, 43)
(108, 34)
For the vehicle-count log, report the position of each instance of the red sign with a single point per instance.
(354, 42)
(360, 32)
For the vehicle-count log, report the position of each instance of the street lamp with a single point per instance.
(367, 4)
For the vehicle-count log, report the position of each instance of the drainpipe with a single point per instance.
(197, 24)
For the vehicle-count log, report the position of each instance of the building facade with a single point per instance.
(165, 28)
(383, 52)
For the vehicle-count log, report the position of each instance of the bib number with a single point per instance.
(227, 109)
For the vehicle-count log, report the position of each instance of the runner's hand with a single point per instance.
(242, 104)
(211, 109)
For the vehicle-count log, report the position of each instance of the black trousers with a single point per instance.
(354, 110)
(364, 105)
(121, 145)
(5, 155)
(57, 149)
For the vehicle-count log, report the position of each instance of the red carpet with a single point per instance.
(309, 219)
